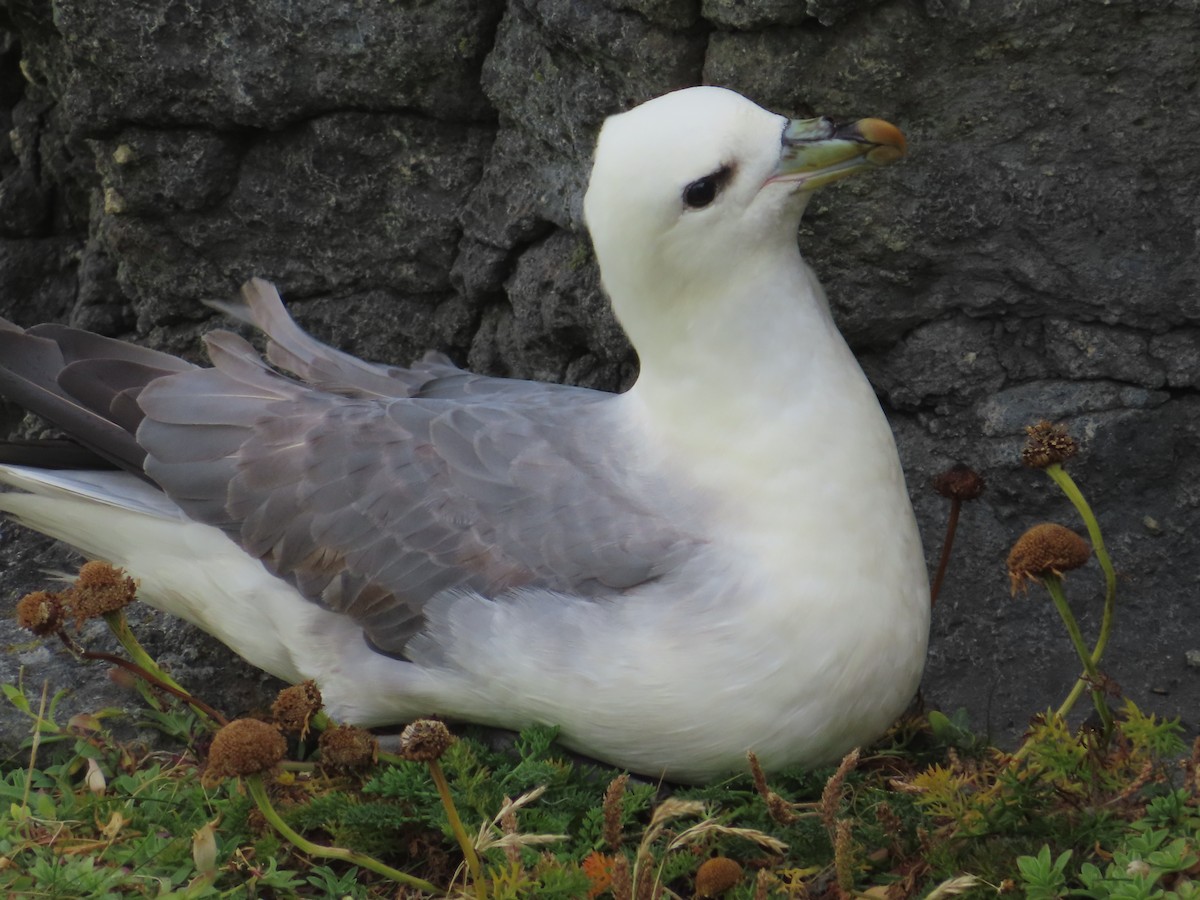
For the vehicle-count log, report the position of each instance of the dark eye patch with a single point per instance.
(703, 191)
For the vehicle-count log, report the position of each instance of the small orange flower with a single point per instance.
(598, 867)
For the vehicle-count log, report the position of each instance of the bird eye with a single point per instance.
(700, 192)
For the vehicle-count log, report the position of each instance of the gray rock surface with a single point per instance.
(411, 176)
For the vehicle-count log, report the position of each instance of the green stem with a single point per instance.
(1054, 587)
(143, 660)
(1068, 487)
(1069, 703)
(144, 666)
(456, 825)
(259, 793)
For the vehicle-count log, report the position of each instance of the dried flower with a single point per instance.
(1046, 444)
(348, 747)
(425, 740)
(1045, 549)
(243, 747)
(99, 589)
(41, 612)
(959, 482)
(295, 706)
(717, 875)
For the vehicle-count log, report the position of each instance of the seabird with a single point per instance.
(723, 558)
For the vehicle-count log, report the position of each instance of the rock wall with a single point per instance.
(410, 174)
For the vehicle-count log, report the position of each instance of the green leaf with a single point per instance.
(17, 698)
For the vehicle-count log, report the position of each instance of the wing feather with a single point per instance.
(370, 488)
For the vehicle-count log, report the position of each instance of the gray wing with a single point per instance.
(375, 489)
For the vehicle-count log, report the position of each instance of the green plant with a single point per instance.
(1048, 447)
(1044, 878)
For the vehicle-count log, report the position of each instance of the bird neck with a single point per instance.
(767, 419)
(758, 384)
(767, 332)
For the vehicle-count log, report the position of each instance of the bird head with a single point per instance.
(690, 189)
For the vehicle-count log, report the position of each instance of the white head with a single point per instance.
(691, 188)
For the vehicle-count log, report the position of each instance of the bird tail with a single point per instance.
(84, 384)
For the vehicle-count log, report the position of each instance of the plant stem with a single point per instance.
(33, 750)
(150, 677)
(456, 825)
(119, 626)
(1068, 487)
(947, 546)
(259, 793)
(1054, 587)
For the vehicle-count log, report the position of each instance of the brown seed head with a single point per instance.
(621, 885)
(41, 612)
(1046, 444)
(717, 875)
(243, 747)
(348, 747)
(295, 706)
(1045, 549)
(425, 740)
(99, 589)
(959, 482)
(613, 808)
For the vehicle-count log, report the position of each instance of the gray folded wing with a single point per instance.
(384, 487)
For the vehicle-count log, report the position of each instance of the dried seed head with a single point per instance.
(622, 878)
(243, 747)
(1045, 549)
(780, 809)
(959, 482)
(41, 612)
(295, 706)
(831, 796)
(613, 808)
(717, 875)
(1046, 444)
(425, 740)
(348, 747)
(763, 884)
(508, 824)
(845, 855)
(99, 589)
